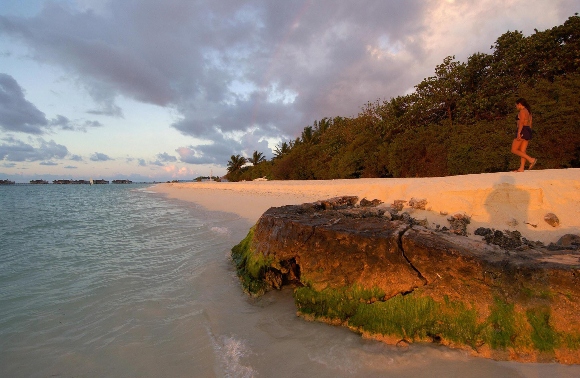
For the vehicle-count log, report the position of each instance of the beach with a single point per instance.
(502, 201)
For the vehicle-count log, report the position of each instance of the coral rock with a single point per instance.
(552, 219)
(394, 280)
(418, 204)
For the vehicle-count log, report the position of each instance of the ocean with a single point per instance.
(119, 281)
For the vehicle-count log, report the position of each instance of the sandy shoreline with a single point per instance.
(504, 201)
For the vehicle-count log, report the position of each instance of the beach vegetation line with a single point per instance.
(459, 121)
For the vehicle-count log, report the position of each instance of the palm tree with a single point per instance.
(236, 163)
(257, 158)
(321, 127)
(307, 135)
(281, 150)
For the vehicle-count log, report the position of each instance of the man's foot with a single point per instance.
(533, 163)
(516, 170)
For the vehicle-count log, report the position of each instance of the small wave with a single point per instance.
(221, 230)
(336, 358)
(231, 352)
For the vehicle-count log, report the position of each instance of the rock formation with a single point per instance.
(387, 276)
(552, 219)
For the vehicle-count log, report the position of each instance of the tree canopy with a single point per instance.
(459, 121)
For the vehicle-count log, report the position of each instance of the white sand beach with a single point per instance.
(503, 201)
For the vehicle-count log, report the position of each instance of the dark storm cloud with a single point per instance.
(98, 156)
(16, 113)
(15, 150)
(254, 66)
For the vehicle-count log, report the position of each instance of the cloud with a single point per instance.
(98, 156)
(165, 157)
(161, 161)
(215, 153)
(104, 96)
(227, 65)
(76, 158)
(70, 167)
(92, 124)
(179, 172)
(64, 123)
(47, 163)
(16, 113)
(252, 68)
(19, 115)
(17, 151)
(221, 146)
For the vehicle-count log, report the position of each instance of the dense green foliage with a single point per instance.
(460, 121)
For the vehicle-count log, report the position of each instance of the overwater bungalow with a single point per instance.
(67, 182)
(38, 182)
(122, 182)
(7, 182)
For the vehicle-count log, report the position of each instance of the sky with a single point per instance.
(157, 90)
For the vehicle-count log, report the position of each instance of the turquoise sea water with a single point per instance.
(118, 281)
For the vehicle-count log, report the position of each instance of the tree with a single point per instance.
(404, 137)
(442, 91)
(321, 127)
(281, 150)
(307, 135)
(257, 158)
(236, 163)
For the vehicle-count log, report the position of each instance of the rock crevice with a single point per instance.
(421, 277)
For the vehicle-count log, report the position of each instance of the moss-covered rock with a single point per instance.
(394, 280)
(250, 267)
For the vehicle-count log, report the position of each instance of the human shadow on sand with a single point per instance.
(508, 206)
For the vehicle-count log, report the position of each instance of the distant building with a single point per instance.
(7, 182)
(38, 182)
(122, 182)
(70, 182)
(100, 181)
